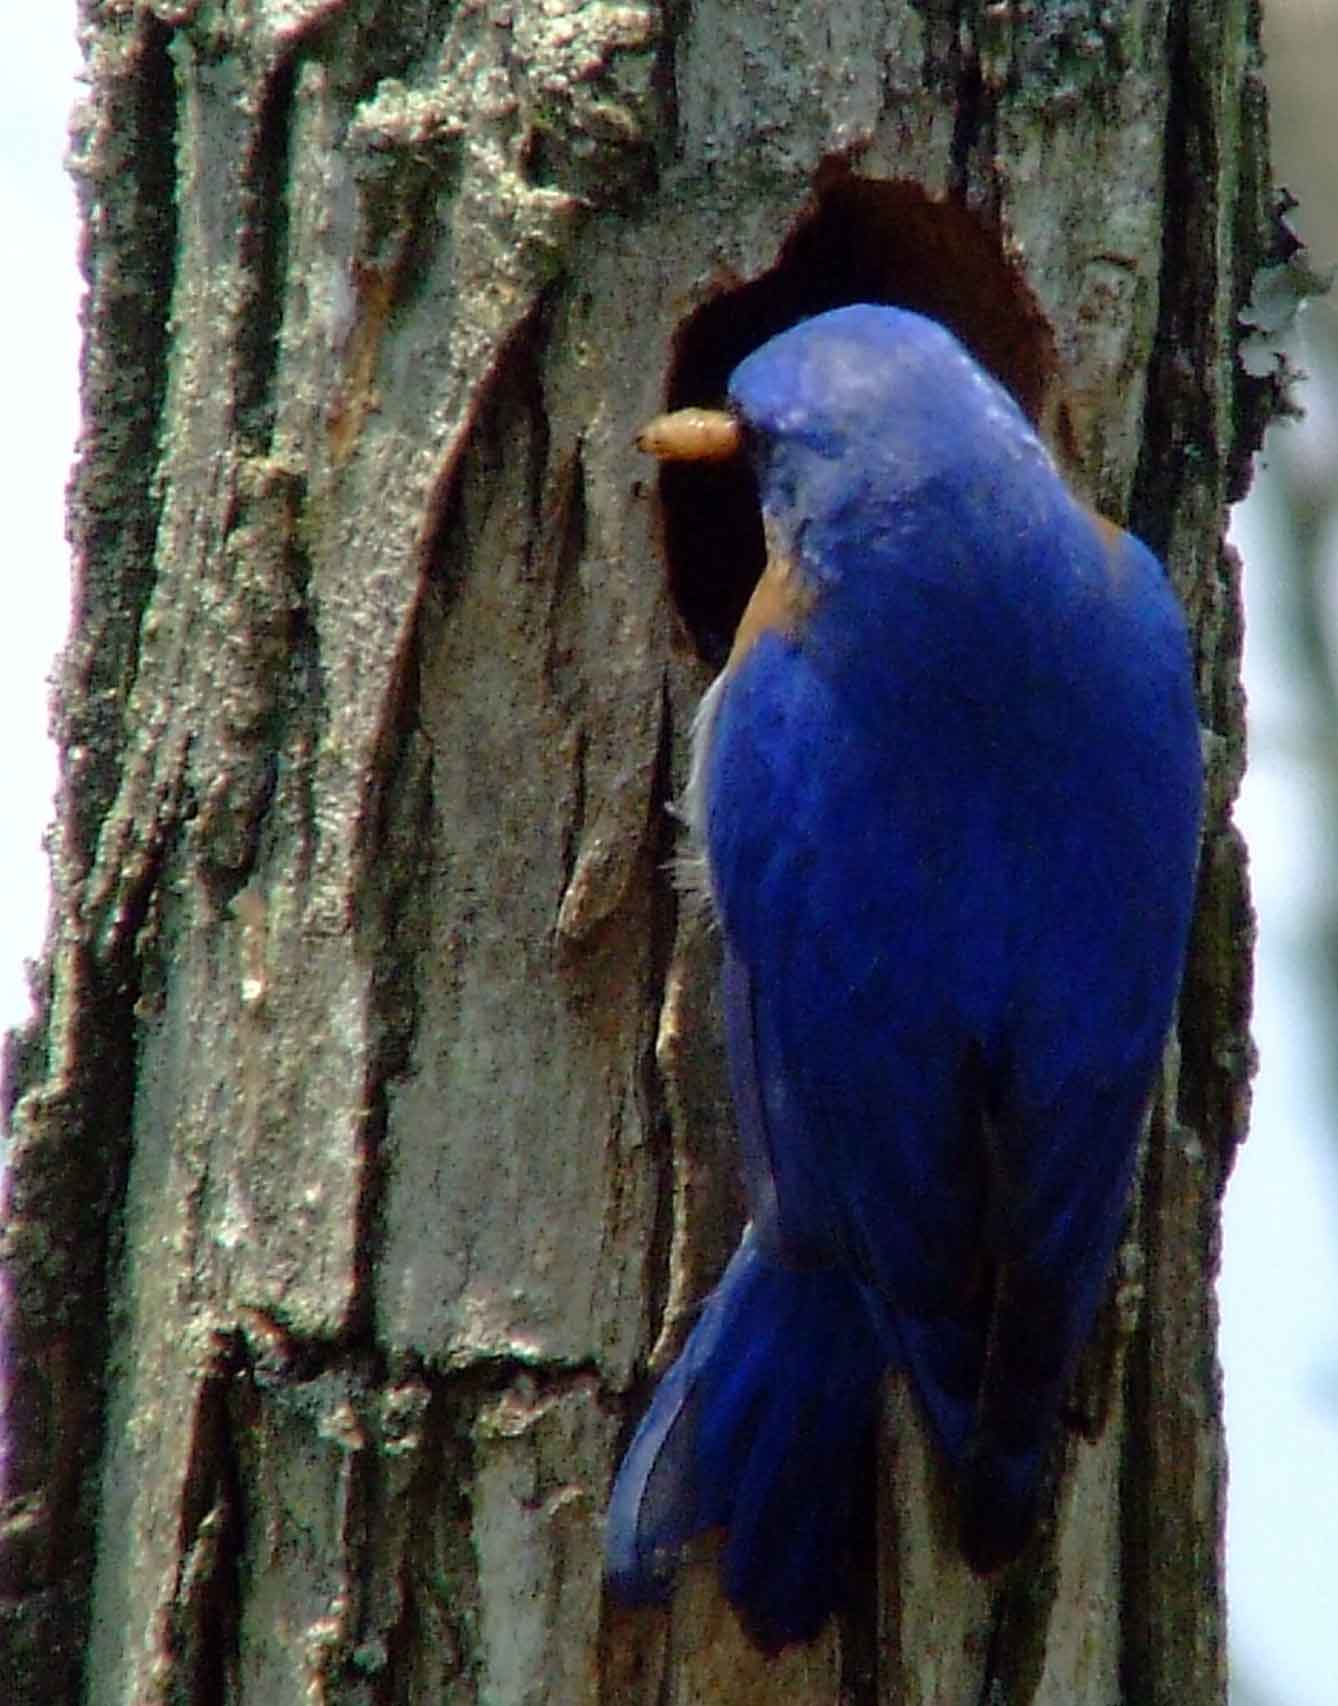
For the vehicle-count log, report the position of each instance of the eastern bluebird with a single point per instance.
(948, 789)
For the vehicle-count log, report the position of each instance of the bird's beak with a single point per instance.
(692, 435)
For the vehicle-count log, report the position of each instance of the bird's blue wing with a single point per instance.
(853, 1071)
(961, 955)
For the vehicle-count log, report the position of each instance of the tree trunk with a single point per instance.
(373, 1149)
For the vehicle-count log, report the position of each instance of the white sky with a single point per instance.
(1279, 1286)
(1280, 1321)
(39, 292)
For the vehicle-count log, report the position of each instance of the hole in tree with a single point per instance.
(859, 242)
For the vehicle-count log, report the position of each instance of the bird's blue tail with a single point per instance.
(758, 1429)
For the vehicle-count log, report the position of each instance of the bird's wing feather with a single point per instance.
(943, 1025)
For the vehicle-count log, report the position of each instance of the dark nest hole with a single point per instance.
(860, 242)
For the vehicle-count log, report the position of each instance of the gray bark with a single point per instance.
(373, 1142)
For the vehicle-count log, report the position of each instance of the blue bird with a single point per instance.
(948, 790)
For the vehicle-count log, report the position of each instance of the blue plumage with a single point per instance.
(948, 788)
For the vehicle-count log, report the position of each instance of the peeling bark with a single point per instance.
(373, 1144)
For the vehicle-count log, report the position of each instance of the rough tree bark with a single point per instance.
(372, 1144)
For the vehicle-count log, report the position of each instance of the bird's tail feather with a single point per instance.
(758, 1429)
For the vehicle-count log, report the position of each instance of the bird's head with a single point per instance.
(848, 415)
